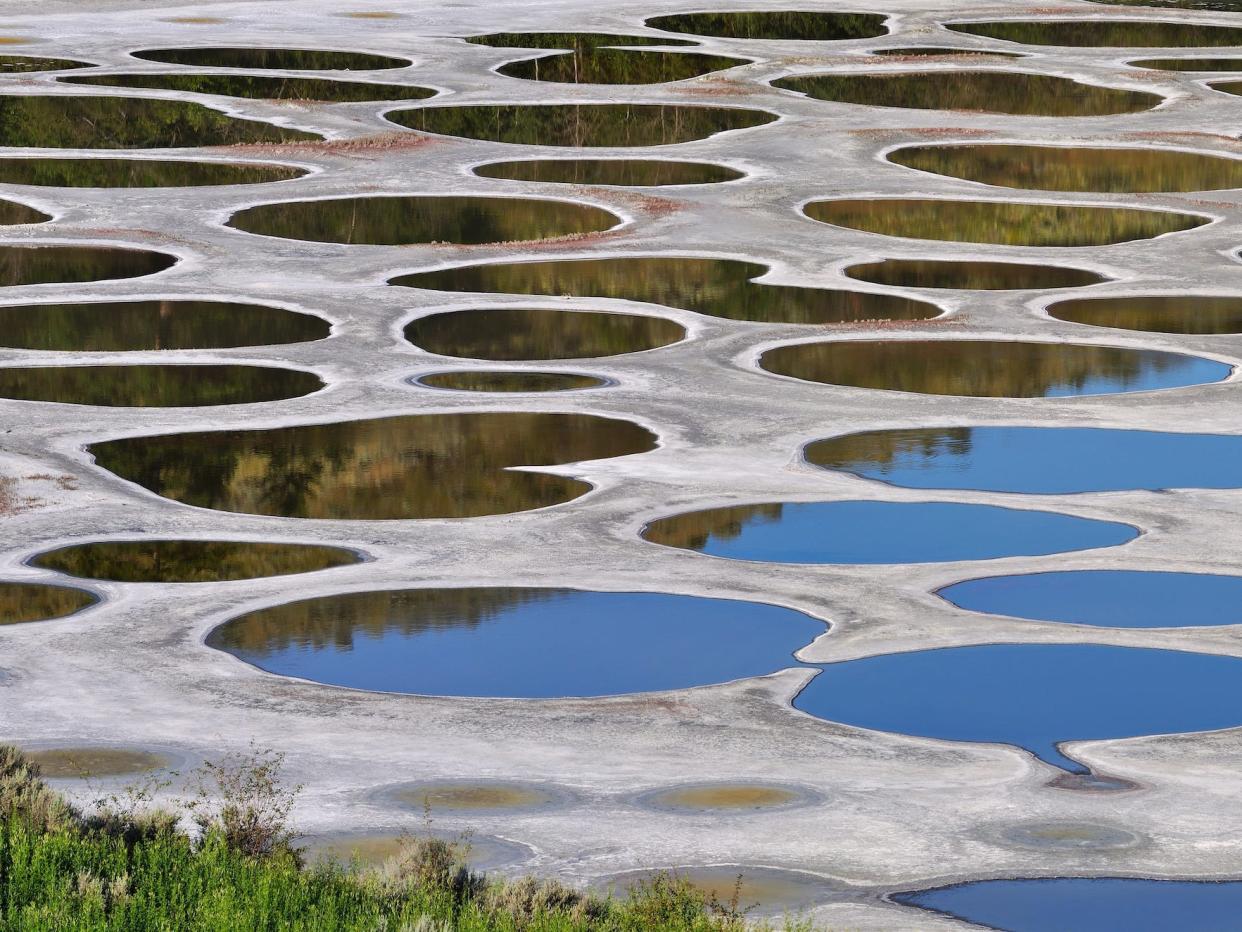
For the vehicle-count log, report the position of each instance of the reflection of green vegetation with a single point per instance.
(693, 530)
(153, 325)
(24, 64)
(190, 560)
(278, 59)
(395, 221)
(260, 87)
(136, 173)
(932, 51)
(618, 66)
(1157, 314)
(37, 265)
(880, 449)
(155, 386)
(62, 122)
(581, 124)
(13, 212)
(1190, 64)
(476, 380)
(419, 466)
(569, 41)
(1002, 222)
(1145, 33)
(984, 276)
(621, 172)
(975, 368)
(774, 24)
(1228, 87)
(716, 287)
(509, 334)
(979, 91)
(335, 621)
(21, 602)
(1076, 168)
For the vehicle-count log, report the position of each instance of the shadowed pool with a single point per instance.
(157, 386)
(22, 602)
(1106, 598)
(972, 275)
(1034, 696)
(511, 334)
(633, 173)
(190, 561)
(1042, 460)
(525, 643)
(581, 125)
(715, 287)
(124, 326)
(586, 59)
(1108, 33)
(137, 173)
(259, 87)
(59, 121)
(1004, 223)
(881, 532)
(39, 265)
(991, 368)
(273, 58)
(26, 64)
(1156, 313)
(1009, 92)
(1190, 64)
(1076, 168)
(396, 221)
(797, 25)
(1087, 904)
(510, 380)
(414, 466)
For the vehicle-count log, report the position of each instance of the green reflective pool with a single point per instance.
(137, 173)
(155, 386)
(261, 87)
(617, 172)
(985, 276)
(190, 561)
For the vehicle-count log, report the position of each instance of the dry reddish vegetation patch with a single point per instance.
(884, 323)
(719, 87)
(647, 204)
(396, 141)
(1187, 137)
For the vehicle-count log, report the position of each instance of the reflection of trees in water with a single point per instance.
(581, 124)
(627, 172)
(61, 121)
(694, 529)
(515, 334)
(280, 59)
(618, 66)
(153, 325)
(13, 212)
(21, 602)
(1193, 64)
(1145, 33)
(136, 173)
(881, 449)
(156, 386)
(24, 64)
(984, 276)
(1076, 168)
(775, 24)
(418, 466)
(476, 380)
(1156, 313)
(1005, 223)
(977, 368)
(570, 41)
(190, 560)
(336, 621)
(261, 87)
(36, 265)
(717, 287)
(393, 221)
(983, 91)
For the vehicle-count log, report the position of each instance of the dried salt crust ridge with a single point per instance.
(903, 809)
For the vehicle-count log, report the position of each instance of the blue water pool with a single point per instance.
(1031, 695)
(1035, 459)
(518, 642)
(881, 532)
(1089, 904)
(1106, 598)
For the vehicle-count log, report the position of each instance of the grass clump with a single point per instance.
(127, 865)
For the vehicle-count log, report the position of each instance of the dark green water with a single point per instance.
(190, 561)
(273, 58)
(155, 386)
(37, 265)
(618, 172)
(22, 602)
(137, 173)
(481, 380)
(260, 87)
(986, 276)
(775, 24)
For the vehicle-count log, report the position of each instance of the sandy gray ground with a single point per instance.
(896, 812)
